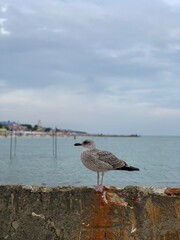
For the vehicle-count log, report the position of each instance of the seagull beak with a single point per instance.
(77, 144)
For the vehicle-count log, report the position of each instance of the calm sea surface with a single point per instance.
(157, 157)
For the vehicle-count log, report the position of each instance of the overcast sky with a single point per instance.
(101, 66)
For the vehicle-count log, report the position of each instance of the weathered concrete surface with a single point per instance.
(72, 213)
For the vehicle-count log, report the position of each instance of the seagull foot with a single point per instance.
(99, 188)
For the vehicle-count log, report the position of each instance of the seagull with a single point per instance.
(101, 161)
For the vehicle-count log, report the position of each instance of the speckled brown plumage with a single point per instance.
(101, 161)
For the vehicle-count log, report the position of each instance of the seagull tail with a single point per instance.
(128, 168)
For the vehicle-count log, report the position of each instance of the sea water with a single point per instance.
(158, 159)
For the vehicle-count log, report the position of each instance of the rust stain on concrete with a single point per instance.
(80, 213)
(172, 191)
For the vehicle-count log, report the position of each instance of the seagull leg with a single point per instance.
(102, 178)
(99, 188)
(97, 178)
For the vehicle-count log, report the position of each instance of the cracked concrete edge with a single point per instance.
(170, 191)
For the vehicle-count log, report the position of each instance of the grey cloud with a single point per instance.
(124, 51)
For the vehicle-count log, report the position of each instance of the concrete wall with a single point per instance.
(67, 213)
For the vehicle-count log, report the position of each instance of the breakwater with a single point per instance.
(80, 213)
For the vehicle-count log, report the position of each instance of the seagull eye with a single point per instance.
(86, 142)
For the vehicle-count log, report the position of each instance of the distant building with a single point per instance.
(8, 124)
(3, 132)
(12, 126)
(39, 126)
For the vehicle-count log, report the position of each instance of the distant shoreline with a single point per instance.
(112, 135)
(42, 135)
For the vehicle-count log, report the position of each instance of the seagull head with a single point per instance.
(87, 144)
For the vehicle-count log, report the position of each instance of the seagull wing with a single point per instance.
(111, 159)
(91, 160)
